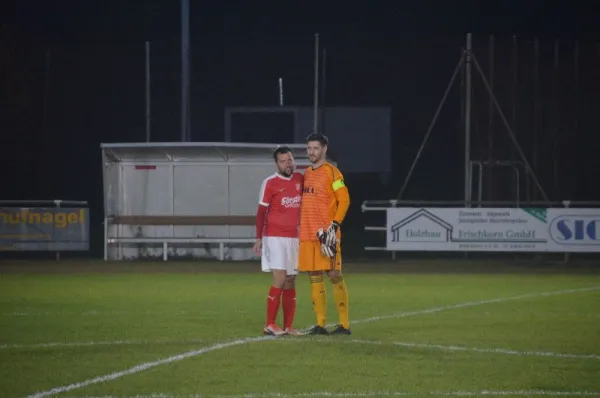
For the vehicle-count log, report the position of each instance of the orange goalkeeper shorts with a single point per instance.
(311, 259)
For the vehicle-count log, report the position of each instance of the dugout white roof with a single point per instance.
(183, 151)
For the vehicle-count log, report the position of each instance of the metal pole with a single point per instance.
(536, 103)
(479, 180)
(322, 91)
(147, 91)
(280, 91)
(480, 196)
(566, 204)
(105, 239)
(576, 101)
(468, 122)
(515, 73)
(57, 205)
(462, 90)
(316, 87)
(185, 81)
(490, 176)
(515, 81)
(557, 118)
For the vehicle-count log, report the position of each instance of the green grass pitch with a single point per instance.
(186, 334)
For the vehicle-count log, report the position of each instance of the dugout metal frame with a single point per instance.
(171, 155)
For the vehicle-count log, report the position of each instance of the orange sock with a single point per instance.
(319, 298)
(340, 292)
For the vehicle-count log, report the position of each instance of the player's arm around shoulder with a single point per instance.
(299, 178)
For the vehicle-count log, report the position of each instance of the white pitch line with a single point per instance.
(499, 351)
(95, 343)
(442, 347)
(332, 394)
(406, 393)
(91, 313)
(473, 303)
(176, 358)
(516, 392)
(147, 365)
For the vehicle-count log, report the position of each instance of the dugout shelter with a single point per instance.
(184, 199)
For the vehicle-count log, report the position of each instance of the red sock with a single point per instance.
(289, 307)
(273, 302)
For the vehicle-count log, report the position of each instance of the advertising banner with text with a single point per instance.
(467, 229)
(44, 229)
(574, 230)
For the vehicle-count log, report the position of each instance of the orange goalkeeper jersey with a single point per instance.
(325, 198)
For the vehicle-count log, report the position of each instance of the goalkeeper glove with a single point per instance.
(327, 249)
(331, 238)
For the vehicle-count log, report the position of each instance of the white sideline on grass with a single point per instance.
(442, 347)
(399, 394)
(332, 394)
(96, 343)
(474, 303)
(176, 358)
(90, 313)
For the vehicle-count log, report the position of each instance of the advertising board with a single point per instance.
(467, 229)
(44, 229)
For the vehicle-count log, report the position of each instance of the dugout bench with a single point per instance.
(177, 221)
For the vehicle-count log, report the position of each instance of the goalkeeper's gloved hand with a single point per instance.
(331, 238)
(328, 250)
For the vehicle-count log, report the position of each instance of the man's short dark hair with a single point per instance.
(322, 139)
(281, 150)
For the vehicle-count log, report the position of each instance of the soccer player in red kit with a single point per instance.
(277, 240)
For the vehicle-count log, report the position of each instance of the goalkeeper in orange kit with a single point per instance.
(325, 202)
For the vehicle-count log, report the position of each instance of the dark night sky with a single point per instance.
(88, 57)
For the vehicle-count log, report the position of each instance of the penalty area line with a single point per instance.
(189, 354)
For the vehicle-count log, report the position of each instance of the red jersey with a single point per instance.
(282, 196)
